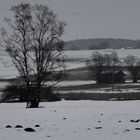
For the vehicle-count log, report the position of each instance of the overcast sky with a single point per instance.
(91, 18)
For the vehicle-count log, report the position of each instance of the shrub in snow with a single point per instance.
(12, 92)
(18, 126)
(29, 129)
(37, 125)
(19, 93)
(137, 128)
(98, 127)
(50, 96)
(8, 126)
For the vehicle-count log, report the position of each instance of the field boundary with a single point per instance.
(101, 96)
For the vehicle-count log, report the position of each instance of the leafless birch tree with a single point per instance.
(35, 47)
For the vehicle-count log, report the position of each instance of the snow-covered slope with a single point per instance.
(72, 120)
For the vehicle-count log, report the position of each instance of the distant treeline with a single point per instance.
(100, 43)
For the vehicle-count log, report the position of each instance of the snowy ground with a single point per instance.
(82, 55)
(72, 120)
(75, 83)
(85, 54)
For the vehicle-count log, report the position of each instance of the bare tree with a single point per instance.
(131, 63)
(100, 63)
(35, 47)
(17, 44)
(130, 60)
(95, 65)
(114, 61)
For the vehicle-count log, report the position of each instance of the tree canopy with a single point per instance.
(35, 45)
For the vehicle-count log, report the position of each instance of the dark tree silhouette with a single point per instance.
(100, 63)
(35, 47)
(95, 65)
(131, 61)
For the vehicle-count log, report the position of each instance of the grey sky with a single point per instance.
(91, 18)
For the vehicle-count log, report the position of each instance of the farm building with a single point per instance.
(109, 77)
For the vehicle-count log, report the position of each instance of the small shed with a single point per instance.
(109, 77)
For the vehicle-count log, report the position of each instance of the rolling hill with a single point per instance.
(101, 43)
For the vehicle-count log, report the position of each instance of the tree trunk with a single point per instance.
(98, 75)
(34, 103)
(28, 94)
(134, 78)
(36, 97)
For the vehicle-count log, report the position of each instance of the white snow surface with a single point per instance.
(83, 55)
(75, 83)
(71, 120)
(86, 54)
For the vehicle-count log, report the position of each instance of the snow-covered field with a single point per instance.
(85, 54)
(75, 83)
(72, 120)
(7, 70)
(82, 55)
(79, 57)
